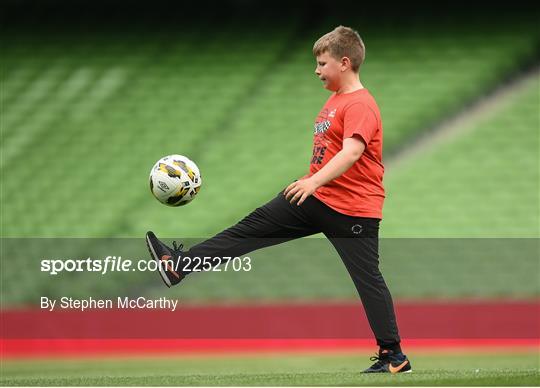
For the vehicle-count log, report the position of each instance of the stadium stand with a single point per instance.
(84, 117)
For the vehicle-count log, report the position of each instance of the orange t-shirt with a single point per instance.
(359, 191)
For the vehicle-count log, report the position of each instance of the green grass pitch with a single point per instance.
(442, 369)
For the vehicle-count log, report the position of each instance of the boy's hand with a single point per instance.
(300, 190)
(353, 147)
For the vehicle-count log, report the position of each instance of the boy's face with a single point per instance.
(329, 71)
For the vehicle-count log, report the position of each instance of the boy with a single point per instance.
(342, 196)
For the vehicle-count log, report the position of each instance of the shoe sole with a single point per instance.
(162, 272)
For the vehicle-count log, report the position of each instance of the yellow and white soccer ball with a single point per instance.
(175, 180)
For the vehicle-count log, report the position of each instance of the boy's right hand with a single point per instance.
(299, 190)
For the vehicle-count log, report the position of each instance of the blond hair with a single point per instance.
(342, 42)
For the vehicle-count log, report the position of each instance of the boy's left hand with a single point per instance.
(300, 190)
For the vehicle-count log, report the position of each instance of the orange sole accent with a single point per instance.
(165, 258)
(397, 368)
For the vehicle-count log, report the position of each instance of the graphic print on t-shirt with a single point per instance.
(320, 142)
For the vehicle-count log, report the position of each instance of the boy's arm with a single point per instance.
(353, 147)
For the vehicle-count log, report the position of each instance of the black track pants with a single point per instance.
(354, 238)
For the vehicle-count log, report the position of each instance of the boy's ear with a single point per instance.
(345, 63)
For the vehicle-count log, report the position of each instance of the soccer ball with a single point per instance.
(175, 180)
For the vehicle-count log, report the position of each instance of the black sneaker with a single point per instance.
(390, 362)
(167, 258)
